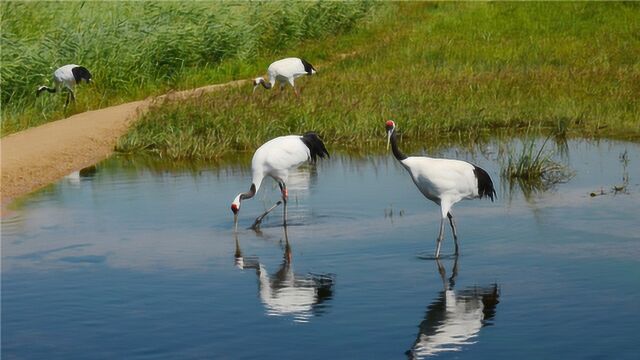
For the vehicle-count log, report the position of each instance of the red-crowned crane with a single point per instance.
(67, 76)
(443, 181)
(285, 71)
(275, 159)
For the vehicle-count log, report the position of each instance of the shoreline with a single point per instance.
(36, 157)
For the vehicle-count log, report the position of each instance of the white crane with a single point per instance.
(275, 159)
(67, 76)
(285, 71)
(443, 181)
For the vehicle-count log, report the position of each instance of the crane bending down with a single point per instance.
(276, 158)
(443, 181)
(285, 71)
(67, 76)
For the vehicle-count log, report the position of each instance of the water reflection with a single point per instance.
(455, 318)
(285, 293)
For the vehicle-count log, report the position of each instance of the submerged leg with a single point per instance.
(454, 273)
(256, 224)
(285, 197)
(455, 233)
(440, 237)
(442, 272)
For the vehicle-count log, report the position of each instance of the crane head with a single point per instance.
(390, 126)
(235, 204)
(256, 82)
(235, 208)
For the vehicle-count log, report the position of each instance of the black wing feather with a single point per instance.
(485, 185)
(315, 145)
(307, 67)
(81, 73)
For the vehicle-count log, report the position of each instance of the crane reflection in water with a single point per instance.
(285, 293)
(454, 318)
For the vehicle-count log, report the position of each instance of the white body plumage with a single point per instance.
(443, 181)
(63, 76)
(67, 76)
(285, 71)
(275, 159)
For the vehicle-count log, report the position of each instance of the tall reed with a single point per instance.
(135, 49)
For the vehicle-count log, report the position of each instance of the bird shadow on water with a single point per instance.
(284, 292)
(454, 319)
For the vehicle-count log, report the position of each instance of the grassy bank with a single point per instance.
(460, 71)
(136, 49)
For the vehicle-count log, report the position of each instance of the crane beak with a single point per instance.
(235, 222)
(388, 139)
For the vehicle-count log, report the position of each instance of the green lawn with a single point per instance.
(445, 72)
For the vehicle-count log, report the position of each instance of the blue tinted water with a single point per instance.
(141, 262)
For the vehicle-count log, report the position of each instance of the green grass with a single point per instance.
(137, 49)
(459, 72)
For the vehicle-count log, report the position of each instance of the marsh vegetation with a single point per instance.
(137, 49)
(461, 72)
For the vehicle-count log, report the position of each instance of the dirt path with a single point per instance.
(39, 156)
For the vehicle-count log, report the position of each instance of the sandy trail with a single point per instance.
(39, 156)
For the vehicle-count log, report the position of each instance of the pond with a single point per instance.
(140, 261)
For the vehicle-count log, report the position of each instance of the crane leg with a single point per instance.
(454, 273)
(442, 272)
(256, 224)
(285, 197)
(440, 237)
(453, 229)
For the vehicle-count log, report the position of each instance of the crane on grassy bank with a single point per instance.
(285, 71)
(67, 77)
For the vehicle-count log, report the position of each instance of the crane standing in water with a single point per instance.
(443, 181)
(275, 159)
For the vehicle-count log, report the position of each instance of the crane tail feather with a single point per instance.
(485, 185)
(308, 68)
(315, 145)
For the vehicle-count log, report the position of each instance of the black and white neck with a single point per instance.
(260, 81)
(391, 131)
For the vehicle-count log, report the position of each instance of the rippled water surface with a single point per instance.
(140, 262)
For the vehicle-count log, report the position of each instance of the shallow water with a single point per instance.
(138, 262)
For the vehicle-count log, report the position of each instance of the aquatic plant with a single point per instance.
(533, 169)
